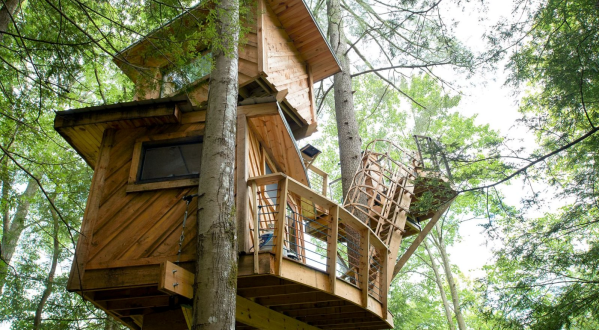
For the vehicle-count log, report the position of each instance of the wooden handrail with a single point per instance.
(338, 215)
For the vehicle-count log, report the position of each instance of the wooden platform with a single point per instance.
(301, 292)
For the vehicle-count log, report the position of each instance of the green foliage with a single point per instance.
(383, 113)
(545, 276)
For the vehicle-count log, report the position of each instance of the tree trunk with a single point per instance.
(350, 143)
(10, 8)
(50, 281)
(439, 281)
(15, 227)
(452, 285)
(216, 265)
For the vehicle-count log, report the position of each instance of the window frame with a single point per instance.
(135, 185)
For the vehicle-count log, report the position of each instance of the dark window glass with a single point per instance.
(170, 159)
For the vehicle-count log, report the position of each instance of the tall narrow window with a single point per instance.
(170, 159)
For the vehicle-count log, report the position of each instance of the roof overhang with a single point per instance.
(153, 50)
(84, 128)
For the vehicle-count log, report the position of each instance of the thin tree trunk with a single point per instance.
(439, 281)
(50, 281)
(11, 237)
(216, 264)
(350, 143)
(452, 285)
(9, 9)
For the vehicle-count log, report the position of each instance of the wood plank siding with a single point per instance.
(286, 68)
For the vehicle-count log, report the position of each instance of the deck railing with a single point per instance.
(295, 223)
(319, 180)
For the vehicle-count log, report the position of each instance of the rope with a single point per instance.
(187, 200)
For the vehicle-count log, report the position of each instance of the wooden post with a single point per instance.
(332, 247)
(280, 226)
(260, 12)
(256, 226)
(241, 199)
(364, 264)
(383, 283)
(325, 184)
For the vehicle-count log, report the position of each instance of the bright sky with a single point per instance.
(495, 105)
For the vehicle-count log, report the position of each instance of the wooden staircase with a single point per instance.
(389, 189)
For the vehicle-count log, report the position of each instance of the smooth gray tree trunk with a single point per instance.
(438, 239)
(215, 286)
(13, 229)
(439, 281)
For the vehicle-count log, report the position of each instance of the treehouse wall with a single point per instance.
(285, 66)
(248, 69)
(128, 224)
(133, 228)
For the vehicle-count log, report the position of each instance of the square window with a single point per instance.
(170, 159)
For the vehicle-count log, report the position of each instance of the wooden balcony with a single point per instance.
(312, 260)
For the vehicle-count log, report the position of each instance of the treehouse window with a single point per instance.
(170, 159)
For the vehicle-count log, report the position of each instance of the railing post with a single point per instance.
(325, 184)
(384, 286)
(280, 225)
(256, 227)
(364, 264)
(332, 247)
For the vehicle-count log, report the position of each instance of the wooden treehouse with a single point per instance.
(305, 261)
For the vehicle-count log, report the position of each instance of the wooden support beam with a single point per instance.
(300, 298)
(280, 96)
(383, 282)
(255, 315)
(241, 197)
(169, 113)
(105, 295)
(429, 226)
(269, 291)
(262, 58)
(132, 303)
(332, 248)
(176, 280)
(257, 110)
(280, 226)
(256, 227)
(364, 265)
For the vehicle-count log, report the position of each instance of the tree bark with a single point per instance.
(439, 281)
(37, 321)
(438, 239)
(215, 286)
(350, 143)
(10, 8)
(15, 227)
